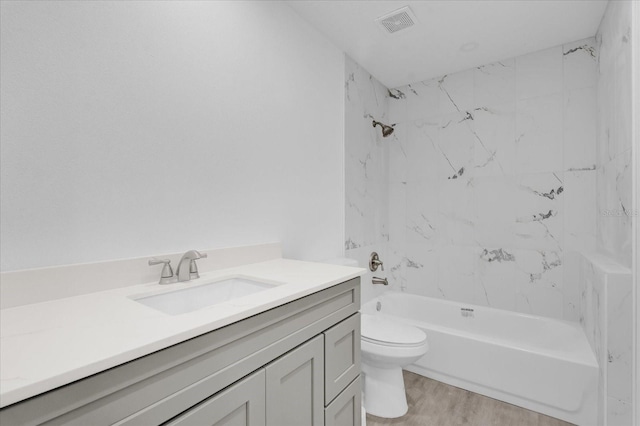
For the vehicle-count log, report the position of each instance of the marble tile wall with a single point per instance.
(492, 175)
(612, 319)
(366, 171)
(606, 303)
(614, 133)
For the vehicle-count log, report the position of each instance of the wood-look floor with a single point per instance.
(432, 403)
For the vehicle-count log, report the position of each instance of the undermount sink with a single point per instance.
(191, 299)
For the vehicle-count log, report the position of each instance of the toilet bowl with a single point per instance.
(386, 347)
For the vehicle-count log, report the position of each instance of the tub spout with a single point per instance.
(377, 280)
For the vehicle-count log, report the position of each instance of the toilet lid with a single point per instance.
(382, 329)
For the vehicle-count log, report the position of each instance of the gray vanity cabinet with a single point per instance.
(345, 410)
(243, 404)
(268, 369)
(342, 356)
(295, 386)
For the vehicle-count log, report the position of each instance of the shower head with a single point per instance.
(386, 130)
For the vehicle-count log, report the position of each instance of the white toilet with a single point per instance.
(387, 346)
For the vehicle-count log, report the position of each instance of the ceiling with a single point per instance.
(489, 30)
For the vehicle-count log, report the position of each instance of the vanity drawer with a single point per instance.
(346, 409)
(342, 356)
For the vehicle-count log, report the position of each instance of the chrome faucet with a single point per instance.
(189, 272)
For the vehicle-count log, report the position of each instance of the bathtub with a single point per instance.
(538, 363)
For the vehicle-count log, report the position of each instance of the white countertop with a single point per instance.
(49, 344)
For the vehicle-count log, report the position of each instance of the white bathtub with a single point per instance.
(534, 362)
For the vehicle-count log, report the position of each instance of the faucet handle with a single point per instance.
(374, 262)
(193, 267)
(166, 276)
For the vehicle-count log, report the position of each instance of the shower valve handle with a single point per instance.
(374, 262)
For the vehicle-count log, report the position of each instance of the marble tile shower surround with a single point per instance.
(491, 177)
(502, 182)
(606, 302)
(613, 158)
(366, 171)
(606, 297)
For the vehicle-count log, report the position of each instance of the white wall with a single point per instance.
(135, 128)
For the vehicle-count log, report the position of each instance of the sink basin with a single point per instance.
(191, 299)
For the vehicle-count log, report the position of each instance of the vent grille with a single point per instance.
(397, 20)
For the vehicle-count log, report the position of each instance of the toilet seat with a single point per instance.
(381, 330)
(392, 345)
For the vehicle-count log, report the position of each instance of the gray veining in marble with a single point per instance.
(489, 179)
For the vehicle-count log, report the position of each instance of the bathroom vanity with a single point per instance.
(297, 363)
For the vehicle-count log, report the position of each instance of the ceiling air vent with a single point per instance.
(397, 20)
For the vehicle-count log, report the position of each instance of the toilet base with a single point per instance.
(384, 393)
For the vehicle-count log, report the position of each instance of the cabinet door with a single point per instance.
(295, 386)
(346, 409)
(242, 404)
(341, 355)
